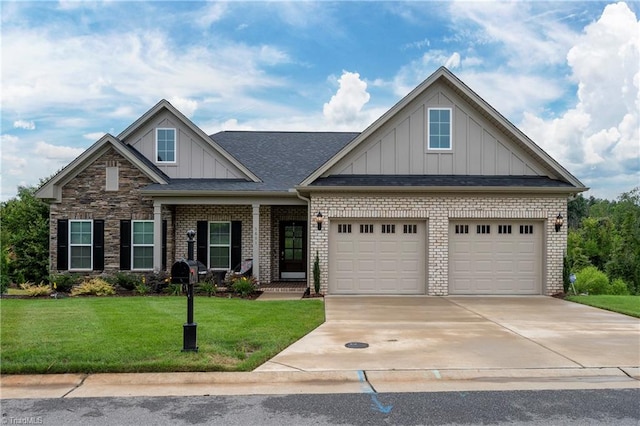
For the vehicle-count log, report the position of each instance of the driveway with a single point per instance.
(422, 332)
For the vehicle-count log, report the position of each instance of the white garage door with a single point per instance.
(377, 257)
(495, 257)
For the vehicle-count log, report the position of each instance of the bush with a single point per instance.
(94, 287)
(207, 288)
(156, 281)
(243, 286)
(142, 288)
(125, 280)
(316, 274)
(619, 287)
(591, 280)
(36, 290)
(174, 289)
(64, 282)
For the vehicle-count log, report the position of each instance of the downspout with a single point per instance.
(308, 200)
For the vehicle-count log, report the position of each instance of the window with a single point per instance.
(483, 229)
(166, 145)
(410, 229)
(220, 245)
(80, 244)
(504, 229)
(366, 229)
(142, 244)
(439, 128)
(526, 229)
(462, 229)
(344, 228)
(388, 229)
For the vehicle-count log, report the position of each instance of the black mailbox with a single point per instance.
(185, 272)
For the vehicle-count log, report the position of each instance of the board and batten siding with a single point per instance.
(195, 158)
(400, 146)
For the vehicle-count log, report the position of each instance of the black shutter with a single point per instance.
(202, 239)
(164, 245)
(98, 244)
(63, 245)
(125, 245)
(236, 243)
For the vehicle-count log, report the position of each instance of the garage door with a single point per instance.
(377, 257)
(495, 257)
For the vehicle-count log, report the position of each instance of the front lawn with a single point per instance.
(144, 334)
(629, 305)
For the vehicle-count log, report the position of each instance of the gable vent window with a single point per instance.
(504, 229)
(526, 229)
(344, 228)
(462, 229)
(112, 177)
(440, 128)
(366, 229)
(388, 229)
(483, 229)
(166, 145)
(410, 229)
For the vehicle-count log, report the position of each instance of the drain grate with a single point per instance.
(357, 345)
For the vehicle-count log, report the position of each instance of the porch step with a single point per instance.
(283, 287)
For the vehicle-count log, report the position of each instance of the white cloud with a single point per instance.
(453, 61)
(345, 106)
(186, 106)
(599, 138)
(94, 136)
(22, 124)
(212, 12)
(54, 152)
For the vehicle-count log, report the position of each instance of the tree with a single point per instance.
(577, 209)
(24, 227)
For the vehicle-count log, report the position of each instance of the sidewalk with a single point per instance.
(304, 382)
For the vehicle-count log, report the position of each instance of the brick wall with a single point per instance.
(437, 210)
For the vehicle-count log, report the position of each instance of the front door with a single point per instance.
(293, 250)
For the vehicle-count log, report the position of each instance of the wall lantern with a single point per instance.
(319, 219)
(559, 222)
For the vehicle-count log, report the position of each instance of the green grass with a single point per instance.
(144, 334)
(629, 305)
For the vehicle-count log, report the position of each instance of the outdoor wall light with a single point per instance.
(559, 222)
(319, 219)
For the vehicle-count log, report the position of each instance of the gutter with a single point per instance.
(447, 189)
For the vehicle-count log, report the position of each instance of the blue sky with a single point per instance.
(566, 73)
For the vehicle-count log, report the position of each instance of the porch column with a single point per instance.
(256, 241)
(157, 236)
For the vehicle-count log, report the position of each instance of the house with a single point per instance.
(441, 195)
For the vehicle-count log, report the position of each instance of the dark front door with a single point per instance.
(293, 250)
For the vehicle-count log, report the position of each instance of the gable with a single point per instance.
(195, 156)
(483, 142)
(400, 146)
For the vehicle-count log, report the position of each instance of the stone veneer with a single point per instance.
(85, 197)
(437, 210)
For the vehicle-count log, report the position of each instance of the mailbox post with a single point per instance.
(185, 272)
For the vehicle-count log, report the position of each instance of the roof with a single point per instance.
(439, 181)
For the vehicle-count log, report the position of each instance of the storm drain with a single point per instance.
(357, 345)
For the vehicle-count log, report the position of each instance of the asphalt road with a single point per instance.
(558, 407)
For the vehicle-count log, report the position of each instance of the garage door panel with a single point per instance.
(495, 263)
(380, 263)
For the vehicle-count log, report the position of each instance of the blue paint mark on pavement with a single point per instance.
(375, 403)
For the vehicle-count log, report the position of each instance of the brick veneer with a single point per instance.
(437, 210)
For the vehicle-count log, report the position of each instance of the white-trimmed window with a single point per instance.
(439, 130)
(142, 244)
(80, 245)
(166, 145)
(220, 245)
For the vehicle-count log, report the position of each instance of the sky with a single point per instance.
(567, 73)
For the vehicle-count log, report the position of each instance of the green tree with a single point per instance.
(24, 236)
(577, 209)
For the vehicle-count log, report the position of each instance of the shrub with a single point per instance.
(156, 281)
(141, 287)
(64, 282)
(591, 280)
(94, 287)
(125, 280)
(36, 290)
(207, 288)
(243, 286)
(316, 274)
(619, 287)
(174, 289)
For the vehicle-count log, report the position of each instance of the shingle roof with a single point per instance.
(440, 180)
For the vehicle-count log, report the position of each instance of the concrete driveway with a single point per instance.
(449, 333)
